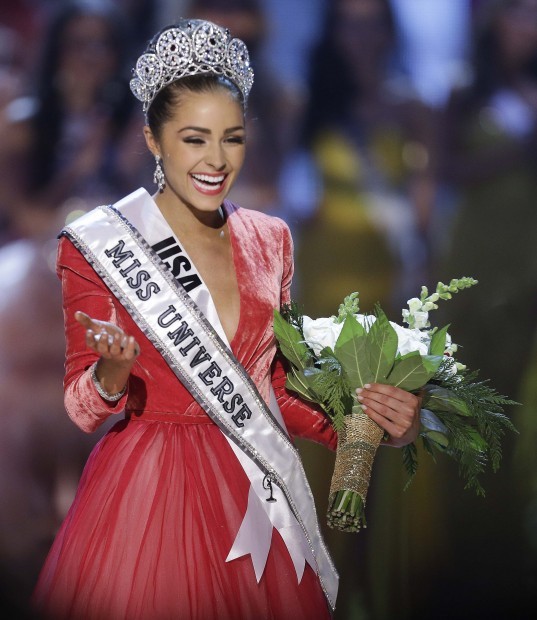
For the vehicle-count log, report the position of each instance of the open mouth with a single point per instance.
(208, 183)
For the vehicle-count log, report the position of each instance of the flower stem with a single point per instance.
(346, 512)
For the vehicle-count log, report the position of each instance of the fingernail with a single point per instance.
(360, 397)
(364, 407)
(367, 385)
(359, 390)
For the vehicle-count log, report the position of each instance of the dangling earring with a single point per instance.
(158, 176)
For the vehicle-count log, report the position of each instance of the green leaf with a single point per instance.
(437, 399)
(438, 342)
(382, 347)
(439, 438)
(291, 342)
(413, 370)
(351, 329)
(299, 383)
(476, 441)
(351, 349)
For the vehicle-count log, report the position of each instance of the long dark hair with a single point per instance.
(330, 84)
(486, 51)
(49, 116)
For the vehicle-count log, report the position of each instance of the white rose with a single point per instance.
(321, 333)
(411, 340)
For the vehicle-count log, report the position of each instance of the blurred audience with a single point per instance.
(490, 163)
(62, 141)
(361, 184)
(60, 153)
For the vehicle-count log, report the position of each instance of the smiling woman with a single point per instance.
(200, 145)
(195, 505)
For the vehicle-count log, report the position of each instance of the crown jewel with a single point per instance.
(190, 49)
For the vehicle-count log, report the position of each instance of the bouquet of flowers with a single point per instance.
(331, 357)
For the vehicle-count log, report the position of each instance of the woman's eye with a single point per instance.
(236, 139)
(194, 140)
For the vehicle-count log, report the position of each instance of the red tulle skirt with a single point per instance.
(156, 513)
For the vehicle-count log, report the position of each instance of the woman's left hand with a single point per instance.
(394, 410)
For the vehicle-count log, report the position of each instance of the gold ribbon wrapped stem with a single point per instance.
(357, 445)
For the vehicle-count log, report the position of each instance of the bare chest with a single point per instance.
(214, 261)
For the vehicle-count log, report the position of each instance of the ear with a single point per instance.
(151, 141)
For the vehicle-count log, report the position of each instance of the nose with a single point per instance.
(216, 158)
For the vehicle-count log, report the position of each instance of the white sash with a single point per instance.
(186, 330)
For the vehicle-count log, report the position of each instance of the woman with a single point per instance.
(490, 148)
(62, 146)
(194, 505)
(369, 139)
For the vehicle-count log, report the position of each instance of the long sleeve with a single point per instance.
(305, 420)
(83, 290)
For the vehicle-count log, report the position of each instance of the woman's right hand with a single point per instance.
(117, 351)
(109, 340)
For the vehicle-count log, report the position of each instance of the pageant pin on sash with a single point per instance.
(111, 240)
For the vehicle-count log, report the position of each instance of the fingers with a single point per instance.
(393, 409)
(85, 320)
(117, 346)
(108, 340)
(387, 393)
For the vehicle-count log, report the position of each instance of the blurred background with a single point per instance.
(398, 139)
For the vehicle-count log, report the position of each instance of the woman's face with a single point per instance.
(202, 149)
(362, 31)
(88, 58)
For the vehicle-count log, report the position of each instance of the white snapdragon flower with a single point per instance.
(428, 306)
(417, 314)
(321, 333)
(421, 320)
(414, 305)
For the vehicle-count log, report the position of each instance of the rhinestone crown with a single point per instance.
(196, 47)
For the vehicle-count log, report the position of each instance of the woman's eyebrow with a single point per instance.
(192, 128)
(233, 129)
(205, 130)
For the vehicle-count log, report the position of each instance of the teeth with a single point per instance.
(209, 179)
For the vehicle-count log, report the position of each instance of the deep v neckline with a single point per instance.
(228, 210)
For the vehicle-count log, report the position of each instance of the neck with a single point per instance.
(190, 222)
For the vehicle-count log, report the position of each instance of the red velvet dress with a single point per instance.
(162, 496)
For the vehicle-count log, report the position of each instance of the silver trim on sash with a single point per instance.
(269, 448)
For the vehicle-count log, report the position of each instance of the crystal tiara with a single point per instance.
(192, 48)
